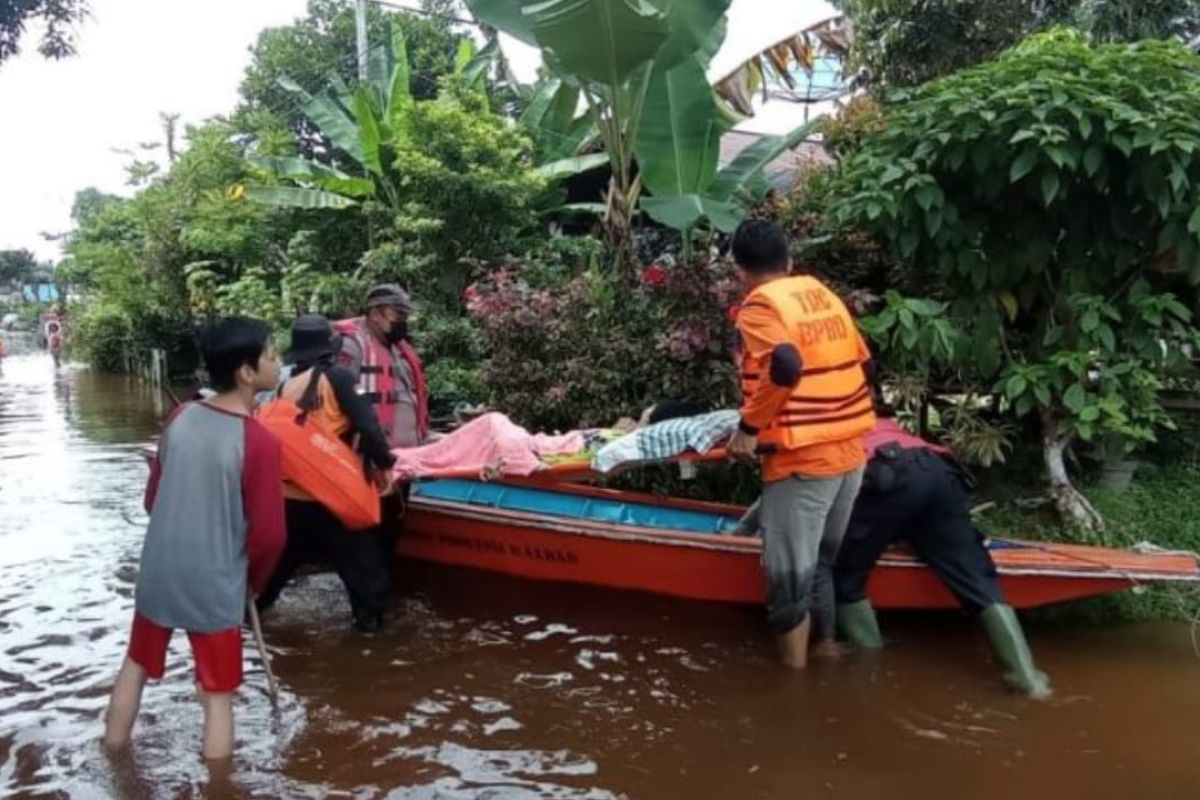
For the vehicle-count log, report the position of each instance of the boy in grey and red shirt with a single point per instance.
(216, 530)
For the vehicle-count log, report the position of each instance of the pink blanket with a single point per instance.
(490, 440)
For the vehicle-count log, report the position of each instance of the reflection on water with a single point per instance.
(489, 687)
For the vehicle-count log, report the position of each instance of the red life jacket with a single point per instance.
(888, 431)
(377, 379)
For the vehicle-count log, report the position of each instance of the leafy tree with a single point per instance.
(901, 43)
(468, 187)
(1051, 195)
(321, 47)
(59, 16)
(1132, 20)
(141, 259)
(88, 203)
(445, 174)
(16, 265)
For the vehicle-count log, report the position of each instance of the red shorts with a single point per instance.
(218, 655)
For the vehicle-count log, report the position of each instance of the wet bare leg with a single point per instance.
(124, 703)
(793, 645)
(218, 724)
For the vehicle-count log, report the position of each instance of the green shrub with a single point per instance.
(588, 350)
(103, 336)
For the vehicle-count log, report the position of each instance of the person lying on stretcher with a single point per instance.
(492, 446)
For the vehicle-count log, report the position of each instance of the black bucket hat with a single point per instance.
(312, 339)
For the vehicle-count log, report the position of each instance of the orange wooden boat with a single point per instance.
(558, 531)
(551, 527)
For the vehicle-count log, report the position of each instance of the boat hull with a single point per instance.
(727, 568)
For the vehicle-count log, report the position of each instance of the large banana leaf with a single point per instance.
(550, 119)
(679, 138)
(399, 95)
(333, 120)
(381, 65)
(480, 62)
(368, 129)
(301, 169)
(293, 168)
(684, 212)
(296, 197)
(535, 112)
(697, 26)
(561, 115)
(566, 167)
(506, 15)
(739, 173)
(600, 40)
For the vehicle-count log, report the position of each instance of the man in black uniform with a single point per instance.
(914, 491)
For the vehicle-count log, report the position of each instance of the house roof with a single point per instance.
(786, 172)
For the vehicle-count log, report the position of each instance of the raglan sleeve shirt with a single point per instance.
(262, 502)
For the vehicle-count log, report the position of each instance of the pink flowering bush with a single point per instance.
(583, 350)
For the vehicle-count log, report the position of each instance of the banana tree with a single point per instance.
(360, 123)
(687, 188)
(609, 50)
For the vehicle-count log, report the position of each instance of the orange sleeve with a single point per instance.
(762, 331)
(864, 351)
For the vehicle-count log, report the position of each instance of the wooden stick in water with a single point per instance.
(256, 626)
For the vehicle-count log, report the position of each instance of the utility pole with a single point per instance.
(360, 27)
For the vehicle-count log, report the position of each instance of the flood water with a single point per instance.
(485, 687)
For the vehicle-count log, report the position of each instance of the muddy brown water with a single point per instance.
(485, 687)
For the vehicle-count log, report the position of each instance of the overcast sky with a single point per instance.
(60, 120)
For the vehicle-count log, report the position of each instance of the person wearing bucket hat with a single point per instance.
(329, 394)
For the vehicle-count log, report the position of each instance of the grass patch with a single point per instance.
(1162, 507)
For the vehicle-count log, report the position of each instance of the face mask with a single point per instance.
(398, 332)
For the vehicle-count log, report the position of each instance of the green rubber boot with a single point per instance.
(857, 623)
(1012, 651)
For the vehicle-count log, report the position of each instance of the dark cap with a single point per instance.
(389, 295)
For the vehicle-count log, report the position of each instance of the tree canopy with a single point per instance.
(60, 17)
(903, 43)
(1051, 196)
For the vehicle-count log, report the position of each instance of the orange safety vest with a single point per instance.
(832, 401)
(328, 414)
(317, 464)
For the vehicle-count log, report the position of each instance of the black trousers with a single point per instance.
(916, 496)
(314, 535)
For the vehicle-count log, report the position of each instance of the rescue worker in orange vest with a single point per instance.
(327, 393)
(806, 403)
